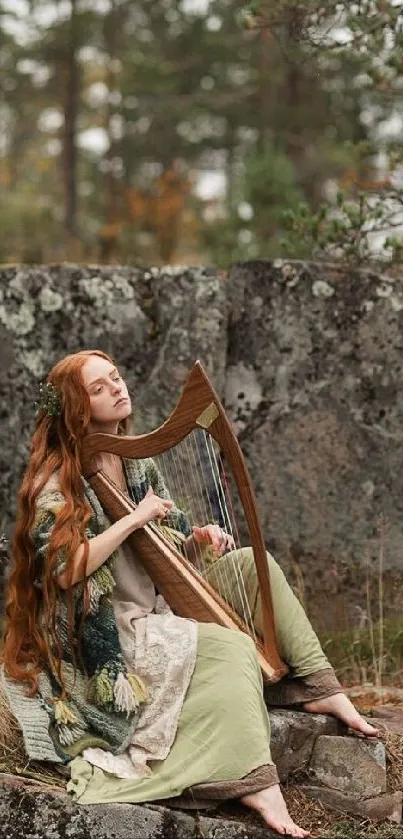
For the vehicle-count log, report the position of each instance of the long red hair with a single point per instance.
(30, 640)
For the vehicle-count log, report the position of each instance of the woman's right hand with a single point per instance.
(151, 507)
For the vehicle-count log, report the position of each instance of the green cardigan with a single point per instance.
(103, 700)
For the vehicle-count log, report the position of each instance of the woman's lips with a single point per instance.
(123, 399)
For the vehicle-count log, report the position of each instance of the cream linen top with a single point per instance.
(160, 648)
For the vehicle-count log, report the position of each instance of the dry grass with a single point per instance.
(394, 759)
(11, 742)
(322, 822)
(311, 815)
(356, 612)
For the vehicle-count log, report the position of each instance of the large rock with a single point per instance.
(308, 358)
(314, 384)
(26, 812)
(350, 764)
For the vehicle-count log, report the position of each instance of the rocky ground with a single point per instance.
(313, 754)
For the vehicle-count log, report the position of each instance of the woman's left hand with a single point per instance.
(215, 536)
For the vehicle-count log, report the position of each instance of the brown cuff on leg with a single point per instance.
(264, 776)
(300, 689)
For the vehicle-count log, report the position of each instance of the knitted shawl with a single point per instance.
(103, 700)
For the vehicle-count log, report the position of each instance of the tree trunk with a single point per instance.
(109, 233)
(70, 107)
(264, 92)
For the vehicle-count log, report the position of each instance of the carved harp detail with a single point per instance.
(181, 584)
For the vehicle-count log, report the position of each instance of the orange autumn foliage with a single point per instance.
(159, 209)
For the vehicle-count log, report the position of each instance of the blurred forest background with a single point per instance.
(194, 131)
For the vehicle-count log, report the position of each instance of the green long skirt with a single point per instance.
(223, 732)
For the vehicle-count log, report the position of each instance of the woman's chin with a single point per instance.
(124, 411)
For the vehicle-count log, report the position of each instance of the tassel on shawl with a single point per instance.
(125, 693)
(68, 736)
(129, 692)
(100, 689)
(63, 714)
(138, 687)
(67, 723)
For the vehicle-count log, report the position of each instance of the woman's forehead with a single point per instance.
(95, 367)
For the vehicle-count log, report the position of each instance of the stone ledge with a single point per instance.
(26, 813)
(28, 810)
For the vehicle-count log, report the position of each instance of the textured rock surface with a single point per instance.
(156, 323)
(32, 814)
(309, 360)
(293, 736)
(386, 806)
(314, 382)
(349, 764)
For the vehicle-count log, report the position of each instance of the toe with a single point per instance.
(363, 727)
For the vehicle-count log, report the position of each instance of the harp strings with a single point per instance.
(194, 474)
(210, 513)
(229, 520)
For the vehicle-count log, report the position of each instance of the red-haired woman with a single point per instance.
(143, 704)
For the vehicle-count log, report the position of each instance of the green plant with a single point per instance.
(345, 231)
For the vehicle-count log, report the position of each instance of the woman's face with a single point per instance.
(109, 400)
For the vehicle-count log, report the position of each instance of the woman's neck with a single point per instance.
(112, 465)
(103, 427)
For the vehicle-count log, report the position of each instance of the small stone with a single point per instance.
(350, 764)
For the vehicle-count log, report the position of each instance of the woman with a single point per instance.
(139, 700)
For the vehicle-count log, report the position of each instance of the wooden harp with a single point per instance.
(184, 588)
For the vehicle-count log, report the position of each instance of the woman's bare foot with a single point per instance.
(270, 804)
(340, 706)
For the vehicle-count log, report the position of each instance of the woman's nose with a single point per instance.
(116, 387)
